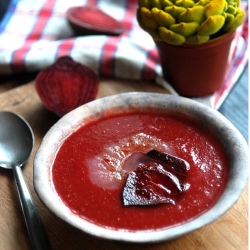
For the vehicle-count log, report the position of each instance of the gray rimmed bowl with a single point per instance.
(235, 147)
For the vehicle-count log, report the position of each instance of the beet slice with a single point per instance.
(157, 179)
(66, 85)
(174, 163)
(89, 20)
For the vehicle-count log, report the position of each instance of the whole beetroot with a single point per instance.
(66, 85)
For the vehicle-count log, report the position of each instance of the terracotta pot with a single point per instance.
(196, 70)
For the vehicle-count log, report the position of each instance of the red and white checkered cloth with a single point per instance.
(33, 34)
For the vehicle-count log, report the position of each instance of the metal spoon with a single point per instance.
(16, 144)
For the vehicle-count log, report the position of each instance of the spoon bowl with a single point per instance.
(16, 144)
(16, 140)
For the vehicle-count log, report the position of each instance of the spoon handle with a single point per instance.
(37, 234)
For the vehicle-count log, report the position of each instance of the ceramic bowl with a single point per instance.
(234, 144)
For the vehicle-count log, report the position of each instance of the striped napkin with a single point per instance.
(33, 34)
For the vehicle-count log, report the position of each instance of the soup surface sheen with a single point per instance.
(89, 177)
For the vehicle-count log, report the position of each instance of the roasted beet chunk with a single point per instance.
(176, 164)
(157, 179)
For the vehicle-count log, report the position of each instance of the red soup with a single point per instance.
(89, 177)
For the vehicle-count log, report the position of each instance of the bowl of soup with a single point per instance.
(141, 167)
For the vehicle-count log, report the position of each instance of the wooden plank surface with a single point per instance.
(229, 232)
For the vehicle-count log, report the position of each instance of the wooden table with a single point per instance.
(19, 95)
